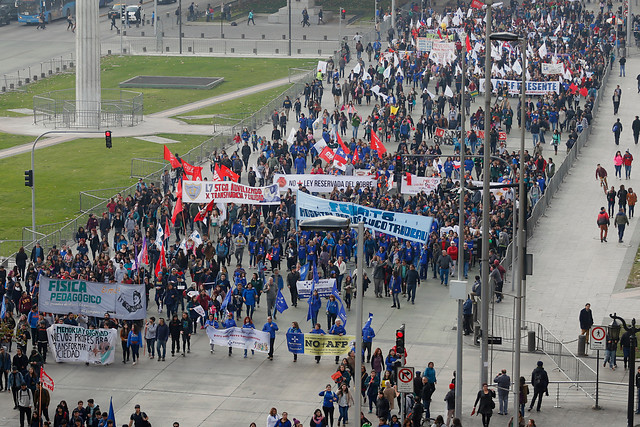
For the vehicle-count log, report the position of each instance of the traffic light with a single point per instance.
(343, 13)
(398, 166)
(400, 341)
(107, 138)
(123, 11)
(28, 178)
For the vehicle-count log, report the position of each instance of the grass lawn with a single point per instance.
(8, 140)
(232, 111)
(351, 6)
(634, 276)
(64, 170)
(237, 72)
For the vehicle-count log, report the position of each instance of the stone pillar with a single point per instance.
(88, 64)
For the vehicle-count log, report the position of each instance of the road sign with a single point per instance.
(598, 334)
(405, 379)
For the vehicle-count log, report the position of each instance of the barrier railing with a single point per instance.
(90, 198)
(15, 80)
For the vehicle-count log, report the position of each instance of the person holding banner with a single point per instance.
(317, 329)
(229, 323)
(338, 329)
(294, 329)
(211, 323)
(270, 327)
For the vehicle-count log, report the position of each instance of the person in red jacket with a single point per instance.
(627, 159)
(452, 251)
(603, 223)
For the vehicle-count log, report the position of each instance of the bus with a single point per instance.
(28, 10)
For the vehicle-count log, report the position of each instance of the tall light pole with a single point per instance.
(633, 343)
(180, 24)
(332, 223)
(486, 206)
(289, 10)
(155, 17)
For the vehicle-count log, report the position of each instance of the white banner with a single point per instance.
(552, 68)
(533, 88)
(250, 339)
(406, 226)
(324, 287)
(424, 44)
(419, 184)
(323, 183)
(229, 192)
(82, 345)
(92, 298)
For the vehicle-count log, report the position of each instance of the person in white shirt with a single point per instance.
(273, 417)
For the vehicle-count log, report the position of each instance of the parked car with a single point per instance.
(134, 13)
(166, 1)
(5, 14)
(12, 7)
(115, 11)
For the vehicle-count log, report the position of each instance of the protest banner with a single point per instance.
(552, 68)
(81, 345)
(532, 88)
(319, 345)
(229, 192)
(91, 298)
(323, 287)
(323, 183)
(424, 44)
(419, 184)
(406, 226)
(250, 339)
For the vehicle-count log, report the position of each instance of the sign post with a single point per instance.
(405, 385)
(598, 335)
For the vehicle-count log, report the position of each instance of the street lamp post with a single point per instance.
(289, 11)
(633, 343)
(180, 25)
(329, 223)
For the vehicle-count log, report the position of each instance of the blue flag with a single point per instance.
(111, 416)
(313, 288)
(304, 270)
(227, 300)
(368, 324)
(342, 314)
(281, 304)
(3, 309)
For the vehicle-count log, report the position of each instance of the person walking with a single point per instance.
(150, 333)
(611, 345)
(621, 221)
(485, 408)
(627, 159)
(25, 402)
(540, 382)
(622, 61)
(162, 336)
(250, 18)
(329, 398)
(638, 389)
(134, 340)
(586, 320)
(601, 174)
(617, 94)
(617, 130)
(504, 383)
(524, 392)
(617, 164)
(603, 222)
(113, 23)
(632, 199)
(635, 127)
(345, 400)
(271, 327)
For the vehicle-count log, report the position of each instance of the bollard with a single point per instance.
(26, 81)
(233, 50)
(144, 48)
(201, 35)
(304, 37)
(325, 38)
(531, 341)
(108, 53)
(222, 35)
(124, 33)
(71, 64)
(582, 345)
(181, 34)
(264, 37)
(477, 333)
(64, 66)
(35, 78)
(124, 51)
(141, 33)
(319, 51)
(277, 51)
(11, 86)
(241, 36)
(162, 33)
(299, 51)
(189, 49)
(210, 50)
(167, 48)
(284, 37)
(4, 89)
(255, 51)
(43, 75)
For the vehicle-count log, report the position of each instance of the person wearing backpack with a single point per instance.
(540, 382)
(617, 130)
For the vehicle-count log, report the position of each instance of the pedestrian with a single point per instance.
(524, 392)
(632, 199)
(294, 329)
(627, 159)
(450, 398)
(345, 400)
(485, 408)
(337, 329)
(555, 140)
(540, 382)
(250, 18)
(428, 388)
(413, 281)
(638, 389)
(273, 417)
(467, 315)
(150, 331)
(617, 164)
(621, 221)
(138, 418)
(69, 22)
(270, 327)
(635, 127)
(622, 62)
(504, 383)
(41, 400)
(603, 222)
(617, 130)
(16, 380)
(318, 420)
(617, 94)
(586, 320)
(162, 336)
(134, 340)
(229, 323)
(113, 23)
(175, 328)
(611, 345)
(368, 334)
(329, 398)
(25, 402)
(5, 368)
(601, 174)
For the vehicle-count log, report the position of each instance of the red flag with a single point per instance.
(408, 178)
(167, 229)
(439, 33)
(193, 171)
(356, 158)
(145, 253)
(468, 42)
(217, 175)
(197, 173)
(477, 4)
(327, 154)
(168, 156)
(162, 262)
(376, 144)
(46, 380)
(202, 214)
(584, 92)
(344, 147)
(225, 171)
(178, 207)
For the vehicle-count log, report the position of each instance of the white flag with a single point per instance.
(222, 208)
(543, 50)
(292, 136)
(448, 92)
(319, 146)
(195, 236)
(517, 67)
(159, 236)
(549, 19)
(356, 69)
(432, 96)
(396, 61)
(387, 72)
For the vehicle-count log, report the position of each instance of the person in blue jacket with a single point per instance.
(332, 311)
(248, 324)
(316, 303)
(162, 336)
(430, 373)
(396, 288)
(270, 327)
(294, 329)
(327, 403)
(467, 314)
(337, 329)
(367, 338)
(390, 361)
(229, 323)
(249, 296)
(317, 329)
(211, 323)
(134, 340)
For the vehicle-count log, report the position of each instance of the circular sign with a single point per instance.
(405, 375)
(598, 333)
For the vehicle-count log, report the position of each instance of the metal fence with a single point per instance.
(117, 107)
(90, 198)
(17, 79)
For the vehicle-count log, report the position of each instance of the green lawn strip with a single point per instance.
(634, 276)
(62, 171)
(233, 111)
(237, 72)
(8, 140)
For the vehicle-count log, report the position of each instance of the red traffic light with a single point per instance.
(399, 334)
(107, 133)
